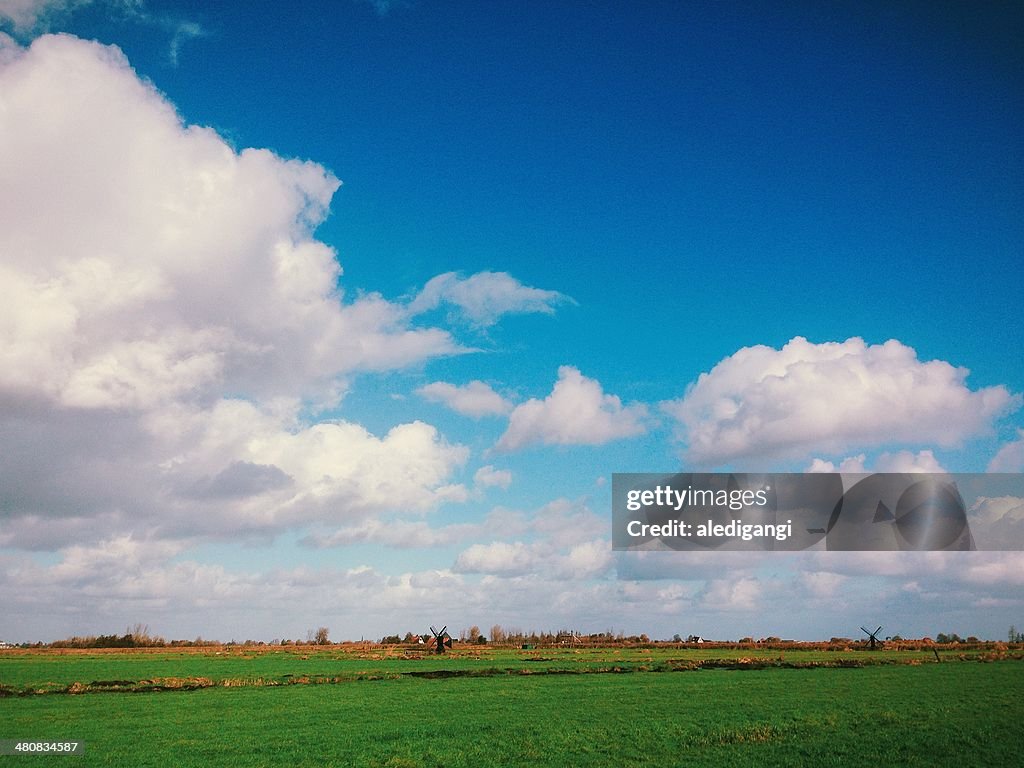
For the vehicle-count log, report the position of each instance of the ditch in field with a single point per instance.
(753, 663)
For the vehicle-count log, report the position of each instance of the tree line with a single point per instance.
(140, 636)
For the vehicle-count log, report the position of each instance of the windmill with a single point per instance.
(442, 639)
(873, 636)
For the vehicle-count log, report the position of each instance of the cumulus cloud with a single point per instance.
(655, 565)
(585, 560)
(332, 470)
(998, 522)
(852, 464)
(500, 558)
(145, 259)
(822, 584)
(997, 509)
(743, 594)
(475, 399)
(577, 412)
(120, 579)
(235, 469)
(901, 461)
(1004, 568)
(485, 297)
(166, 317)
(562, 539)
(1010, 457)
(589, 559)
(831, 397)
(563, 536)
(905, 461)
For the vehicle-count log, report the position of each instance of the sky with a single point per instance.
(344, 313)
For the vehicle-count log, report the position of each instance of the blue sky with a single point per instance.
(665, 237)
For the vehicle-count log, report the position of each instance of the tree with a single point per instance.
(321, 636)
(497, 634)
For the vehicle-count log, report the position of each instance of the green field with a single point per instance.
(558, 707)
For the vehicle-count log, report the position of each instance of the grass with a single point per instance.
(58, 669)
(926, 714)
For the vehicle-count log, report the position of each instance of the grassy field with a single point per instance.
(625, 707)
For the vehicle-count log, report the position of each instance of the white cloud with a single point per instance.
(993, 510)
(589, 559)
(851, 464)
(181, 598)
(905, 461)
(483, 298)
(577, 412)
(338, 466)
(400, 534)
(830, 397)
(563, 539)
(901, 461)
(108, 559)
(145, 259)
(489, 477)
(183, 31)
(1010, 457)
(27, 15)
(823, 584)
(475, 399)
(743, 594)
(565, 523)
(997, 569)
(500, 558)
(236, 469)
(579, 562)
(656, 565)
(165, 316)
(30, 17)
(998, 522)
(419, 534)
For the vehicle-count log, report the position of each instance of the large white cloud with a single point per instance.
(236, 469)
(765, 402)
(166, 318)
(577, 412)
(144, 259)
